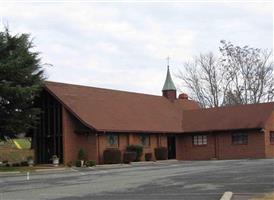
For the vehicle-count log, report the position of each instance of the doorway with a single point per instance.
(171, 146)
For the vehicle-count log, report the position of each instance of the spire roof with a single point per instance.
(169, 85)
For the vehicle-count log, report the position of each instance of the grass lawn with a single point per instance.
(24, 143)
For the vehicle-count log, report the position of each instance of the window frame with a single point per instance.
(109, 145)
(199, 140)
(140, 140)
(271, 137)
(239, 138)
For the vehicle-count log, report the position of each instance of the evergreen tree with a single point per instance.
(21, 78)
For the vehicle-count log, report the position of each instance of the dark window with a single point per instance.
(271, 137)
(112, 140)
(239, 138)
(144, 140)
(199, 139)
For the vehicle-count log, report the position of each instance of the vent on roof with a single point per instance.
(183, 96)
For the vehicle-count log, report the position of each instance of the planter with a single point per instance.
(55, 162)
(30, 163)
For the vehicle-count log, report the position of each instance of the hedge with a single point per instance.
(148, 156)
(129, 156)
(138, 149)
(112, 156)
(161, 153)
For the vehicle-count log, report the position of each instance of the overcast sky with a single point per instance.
(124, 45)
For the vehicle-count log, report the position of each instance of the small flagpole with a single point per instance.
(27, 176)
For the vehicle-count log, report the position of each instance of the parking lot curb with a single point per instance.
(50, 169)
(227, 196)
(142, 163)
(110, 166)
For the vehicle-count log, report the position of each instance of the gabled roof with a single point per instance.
(169, 85)
(119, 111)
(252, 116)
(112, 110)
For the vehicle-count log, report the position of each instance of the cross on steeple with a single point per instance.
(169, 89)
(168, 59)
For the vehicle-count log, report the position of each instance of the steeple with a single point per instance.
(169, 85)
(169, 89)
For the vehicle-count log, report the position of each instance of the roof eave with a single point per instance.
(69, 109)
(225, 130)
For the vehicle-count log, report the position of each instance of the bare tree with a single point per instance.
(241, 75)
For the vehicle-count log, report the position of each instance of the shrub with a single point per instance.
(29, 158)
(81, 155)
(129, 156)
(70, 163)
(78, 163)
(138, 149)
(112, 156)
(161, 153)
(90, 163)
(15, 165)
(24, 163)
(148, 156)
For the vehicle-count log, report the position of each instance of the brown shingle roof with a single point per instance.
(112, 110)
(227, 118)
(119, 111)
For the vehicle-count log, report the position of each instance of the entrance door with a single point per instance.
(171, 145)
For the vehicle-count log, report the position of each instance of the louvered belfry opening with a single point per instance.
(48, 135)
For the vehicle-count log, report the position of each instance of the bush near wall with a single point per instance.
(90, 163)
(161, 153)
(112, 156)
(81, 154)
(129, 156)
(138, 149)
(148, 156)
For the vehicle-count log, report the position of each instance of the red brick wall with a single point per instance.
(73, 142)
(224, 149)
(156, 140)
(185, 150)
(254, 149)
(132, 138)
(269, 147)
(94, 145)
(103, 144)
(170, 94)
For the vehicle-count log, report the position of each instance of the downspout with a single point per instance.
(98, 147)
(216, 145)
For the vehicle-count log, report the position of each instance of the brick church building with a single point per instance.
(95, 119)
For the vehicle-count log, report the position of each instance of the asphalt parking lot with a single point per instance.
(205, 180)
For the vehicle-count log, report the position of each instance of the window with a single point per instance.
(144, 140)
(271, 137)
(199, 140)
(112, 140)
(239, 138)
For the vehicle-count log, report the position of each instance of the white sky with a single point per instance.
(124, 45)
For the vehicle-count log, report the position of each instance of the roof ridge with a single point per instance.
(115, 90)
(239, 106)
